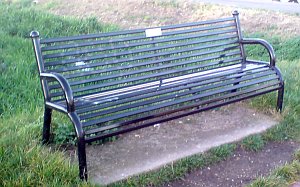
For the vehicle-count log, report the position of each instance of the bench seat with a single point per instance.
(114, 110)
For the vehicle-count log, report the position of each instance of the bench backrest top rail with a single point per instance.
(135, 31)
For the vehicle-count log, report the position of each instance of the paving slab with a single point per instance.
(153, 147)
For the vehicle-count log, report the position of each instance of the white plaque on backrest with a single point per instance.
(153, 32)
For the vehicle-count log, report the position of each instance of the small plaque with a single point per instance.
(153, 32)
(80, 63)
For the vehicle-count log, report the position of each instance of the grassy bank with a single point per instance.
(23, 162)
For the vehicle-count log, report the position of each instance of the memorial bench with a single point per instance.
(116, 82)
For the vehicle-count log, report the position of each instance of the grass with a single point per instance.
(253, 143)
(131, 14)
(18, 66)
(24, 162)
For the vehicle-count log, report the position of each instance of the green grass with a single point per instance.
(19, 75)
(24, 162)
(253, 143)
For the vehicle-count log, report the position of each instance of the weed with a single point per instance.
(287, 172)
(63, 133)
(297, 155)
(223, 151)
(253, 143)
(50, 5)
(269, 182)
(168, 3)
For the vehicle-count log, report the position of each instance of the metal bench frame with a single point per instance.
(70, 107)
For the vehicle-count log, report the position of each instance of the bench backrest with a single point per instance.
(97, 63)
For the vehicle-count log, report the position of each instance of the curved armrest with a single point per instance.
(264, 43)
(65, 87)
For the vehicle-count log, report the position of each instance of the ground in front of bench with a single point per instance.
(153, 147)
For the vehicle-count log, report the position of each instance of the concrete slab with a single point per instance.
(151, 148)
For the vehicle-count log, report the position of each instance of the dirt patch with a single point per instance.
(242, 168)
(150, 13)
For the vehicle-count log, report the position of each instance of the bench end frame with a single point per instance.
(235, 14)
(69, 101)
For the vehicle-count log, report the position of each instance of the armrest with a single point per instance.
(264, 43)
(65, 87)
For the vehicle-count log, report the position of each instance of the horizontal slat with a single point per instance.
(92, 36)
(153, 62)
(91, 87)
(136, 44)
(101, 49)
(133, 88)
(201, 76)
(95, 57)
(118, 61)
(190, 49)
(221, 101)
(168, 104)
(160, 98)
(118, 68)
(111, 41)
(89, 73)
(135, 95)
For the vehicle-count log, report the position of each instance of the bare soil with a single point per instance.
(149, 13)
(241, 168)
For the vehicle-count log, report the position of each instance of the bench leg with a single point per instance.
(46, 127)
(280, 99)
(81, 152)
(82, 159)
